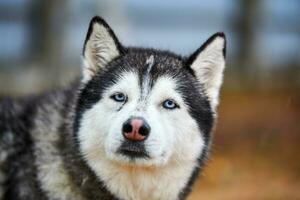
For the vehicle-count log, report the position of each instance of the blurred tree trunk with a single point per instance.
(47, 25)
(246, 37)
(297, 66)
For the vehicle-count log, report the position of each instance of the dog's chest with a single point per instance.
(146, 184)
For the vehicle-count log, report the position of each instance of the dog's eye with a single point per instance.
(169, 104)
(119, 97)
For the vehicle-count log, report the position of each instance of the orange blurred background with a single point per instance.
(256, 152)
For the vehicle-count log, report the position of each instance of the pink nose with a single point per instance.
(136, 129)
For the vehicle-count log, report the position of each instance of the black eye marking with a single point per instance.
(170, 104)
(119, 97)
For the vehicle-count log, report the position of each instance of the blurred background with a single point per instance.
(256, 150)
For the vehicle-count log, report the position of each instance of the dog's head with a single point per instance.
(146, 107)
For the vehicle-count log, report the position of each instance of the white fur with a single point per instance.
(209, 66)
(146, 82)
(174, 143)
(99, 50)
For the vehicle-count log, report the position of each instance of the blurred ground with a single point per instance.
(256, 152)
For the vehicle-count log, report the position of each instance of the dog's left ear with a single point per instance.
(101, 47)
(208, 64)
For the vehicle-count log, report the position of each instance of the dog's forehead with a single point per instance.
(155, 62)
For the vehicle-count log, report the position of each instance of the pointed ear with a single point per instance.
(101, 47)
(208, 64)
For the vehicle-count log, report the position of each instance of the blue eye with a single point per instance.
(169, 104)
(119, 97)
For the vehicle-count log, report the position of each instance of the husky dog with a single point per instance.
(136, 126)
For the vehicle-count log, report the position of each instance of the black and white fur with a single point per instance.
(65, 144)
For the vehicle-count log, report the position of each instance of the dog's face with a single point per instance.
(145, 107)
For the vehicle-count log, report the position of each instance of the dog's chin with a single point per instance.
(129, 159)
(135, 154)
(139, 159)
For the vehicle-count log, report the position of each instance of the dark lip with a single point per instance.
(133, 150)
(133, 154)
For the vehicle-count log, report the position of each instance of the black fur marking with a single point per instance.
(198, 104)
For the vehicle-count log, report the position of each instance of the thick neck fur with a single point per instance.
(148, 183)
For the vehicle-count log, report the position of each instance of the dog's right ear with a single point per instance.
(101, 47)
(208, 64)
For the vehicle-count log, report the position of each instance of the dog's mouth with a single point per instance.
(133, 150)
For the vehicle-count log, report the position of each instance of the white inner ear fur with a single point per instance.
(99, 50)
(209, 66)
